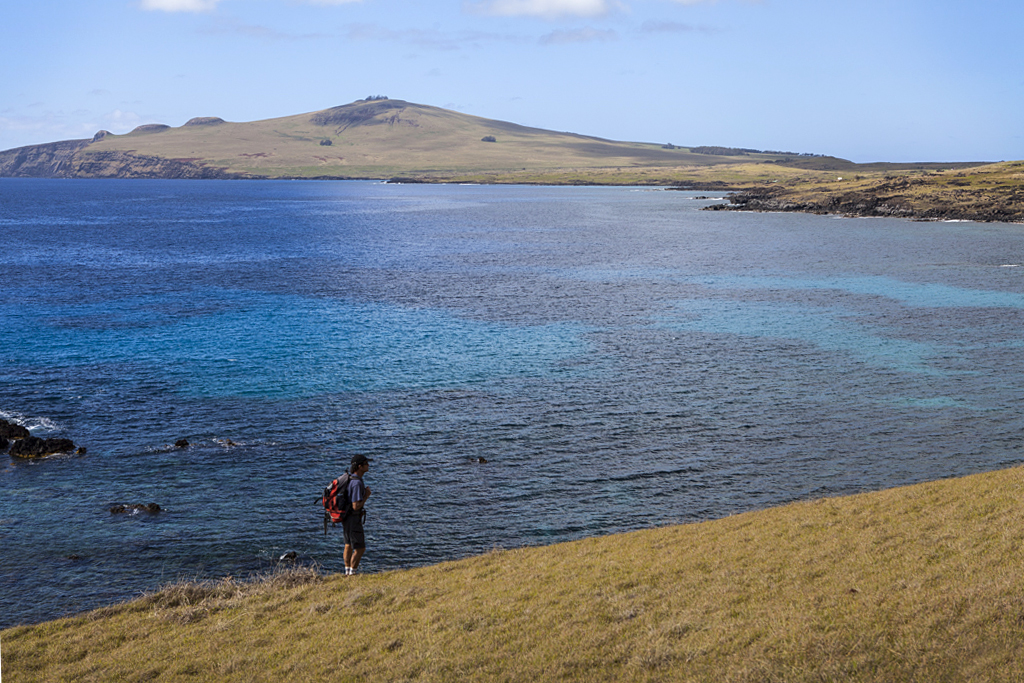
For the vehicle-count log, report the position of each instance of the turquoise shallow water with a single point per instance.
(620, 359)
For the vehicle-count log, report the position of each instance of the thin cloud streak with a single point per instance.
(429, 39)
(230, 26)
(179, 5)
(585, 35)
(674, 27)
(547, 9)
(210, 5)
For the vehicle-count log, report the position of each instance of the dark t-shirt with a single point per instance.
(356, 490)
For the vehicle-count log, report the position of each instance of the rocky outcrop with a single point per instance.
(853, 204)
(35, 447)
(134, 508)
(361, 114)
(150, 128)
(891, 199)
(205, 121)
(52, 160)
(116, 164)
(9, 430)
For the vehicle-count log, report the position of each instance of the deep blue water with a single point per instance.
(620, 358)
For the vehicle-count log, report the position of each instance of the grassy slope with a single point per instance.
(922, 583)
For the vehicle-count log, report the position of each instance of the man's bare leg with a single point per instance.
(352, 557)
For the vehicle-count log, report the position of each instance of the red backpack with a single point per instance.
(336, 502)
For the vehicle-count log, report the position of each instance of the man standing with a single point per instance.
(358, 492)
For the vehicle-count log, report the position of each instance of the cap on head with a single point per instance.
(359, 461)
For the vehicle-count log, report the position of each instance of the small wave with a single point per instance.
(33, 424)
(1010, 265)
(41, 423)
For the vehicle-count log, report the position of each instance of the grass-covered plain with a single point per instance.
(921, 583)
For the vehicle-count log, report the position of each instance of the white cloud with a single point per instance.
(180, 5)
(549, 9)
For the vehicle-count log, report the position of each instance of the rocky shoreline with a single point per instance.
(903, 197)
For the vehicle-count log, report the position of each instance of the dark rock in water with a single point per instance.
(290, 555)
(35, 447)
(481, 460)
(9, 430)
(152, 509)
(181, 443)
(80, 451)
(4, 443)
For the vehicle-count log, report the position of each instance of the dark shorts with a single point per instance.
(353, 526)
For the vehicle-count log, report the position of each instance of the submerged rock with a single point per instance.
(181, 443)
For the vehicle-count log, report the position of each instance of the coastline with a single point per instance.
(993, 193)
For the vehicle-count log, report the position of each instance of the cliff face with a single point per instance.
(52, 160)
(129, 165)
(67, 160)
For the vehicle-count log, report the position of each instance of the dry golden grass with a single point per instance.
(922, 583)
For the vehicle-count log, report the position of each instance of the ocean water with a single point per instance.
(618, 357)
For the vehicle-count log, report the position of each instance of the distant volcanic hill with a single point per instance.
(373, 138)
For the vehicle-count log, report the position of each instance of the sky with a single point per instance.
(871, 80)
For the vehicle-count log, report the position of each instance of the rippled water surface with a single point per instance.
(618, 357)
